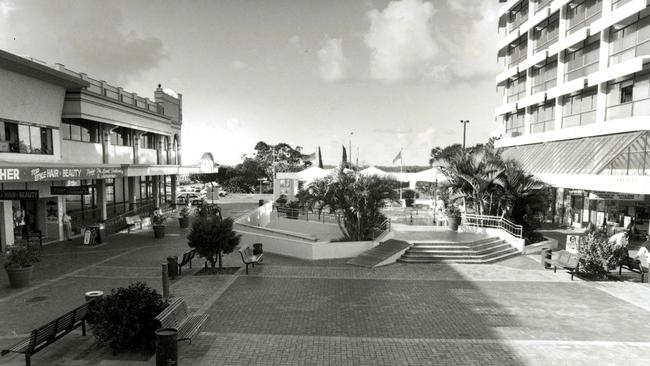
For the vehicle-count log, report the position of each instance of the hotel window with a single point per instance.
(80, 130)
(581, 13)
(517, 88)
(629, 41)
(518, 15)
(546, 32)
(579, 109)
(542, 117)
(515, 123)
(582, 60)
(121, 136)
(630, 97)
(544, 77)
(24, 139)
(541, 4)
(518, 51)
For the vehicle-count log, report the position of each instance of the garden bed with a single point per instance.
(224, 271)
(537, 247)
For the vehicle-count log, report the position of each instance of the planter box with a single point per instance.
(159, 231)
(19, 277)
(536, 248)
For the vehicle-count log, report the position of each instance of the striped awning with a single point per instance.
(589, 155)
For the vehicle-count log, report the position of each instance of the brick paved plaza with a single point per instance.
(294, 312)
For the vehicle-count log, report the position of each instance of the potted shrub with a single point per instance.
(19, 265)
(158, 222)
(184, 219)
(125, 319)
(453, 217)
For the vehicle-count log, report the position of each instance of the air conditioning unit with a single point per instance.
(515, 134)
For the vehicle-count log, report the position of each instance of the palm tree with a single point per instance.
(522, 193)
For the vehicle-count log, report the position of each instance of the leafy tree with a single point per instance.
(359, 198)
(281, 157)
(212, 237)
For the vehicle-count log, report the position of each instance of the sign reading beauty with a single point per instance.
(8, 194)
(39, 174)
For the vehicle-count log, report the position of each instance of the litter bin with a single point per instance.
(166, 347)
(546, 257)
(261, 203)
(101, 232)
(92, 295)
(257, 248)
(172, 266)
(98, 233)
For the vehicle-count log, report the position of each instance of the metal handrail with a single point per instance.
(496, 222)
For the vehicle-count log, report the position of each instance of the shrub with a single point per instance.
(212, 236)
(281, 201)
(158, 218)
(125, 319)
(453, 211)
(409, 197)
(184, 212)
(21, 256)
(597, 256)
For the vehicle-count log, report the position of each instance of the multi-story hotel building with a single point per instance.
(72, 143)
(576, 103)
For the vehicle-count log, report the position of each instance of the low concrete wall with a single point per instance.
(404, 227)
(261, 216)
(537, 247)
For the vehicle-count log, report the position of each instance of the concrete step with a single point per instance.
(482, 250)
(447, 243)
(453, 248)
(483, 257)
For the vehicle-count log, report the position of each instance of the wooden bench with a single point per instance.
(187, 259)
(568, 261)
(632, 265)
(47, 334)
(176, 316)
(131, 221)
(248, 257)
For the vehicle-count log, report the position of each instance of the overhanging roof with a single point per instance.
(45, 73)
(588, 155)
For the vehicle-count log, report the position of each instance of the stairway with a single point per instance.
(375, 256)
(486, 250)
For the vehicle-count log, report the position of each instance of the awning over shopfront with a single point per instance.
(588, 155)
(35, 173)
(613, 163)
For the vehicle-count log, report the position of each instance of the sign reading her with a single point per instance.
(38, 174)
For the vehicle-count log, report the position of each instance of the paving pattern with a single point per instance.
(295, 312)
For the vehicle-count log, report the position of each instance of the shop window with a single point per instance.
(19, 138)
(80, 130)
(121, 137)
(148, 141)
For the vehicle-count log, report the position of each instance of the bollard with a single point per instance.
(172, 266)
(546, 256)
(165, 281)
(166, 347)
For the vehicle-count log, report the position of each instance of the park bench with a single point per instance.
(176, 316)
(248, 257)
(632, 265)
(47, 334)
(131, 221)
(566, 260)
(187, 259)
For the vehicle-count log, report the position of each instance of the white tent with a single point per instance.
(374, 171)
(312, 173)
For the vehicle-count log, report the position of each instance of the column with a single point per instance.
(100, 190)
(601, 96)
(173, 198)
(169, 151)
(106, 141)
(132, 193)
(136, 146)
(6, 225)
(155, 188)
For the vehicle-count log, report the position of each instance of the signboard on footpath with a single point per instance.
(41, 174)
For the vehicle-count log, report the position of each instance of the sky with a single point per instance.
(383, 75)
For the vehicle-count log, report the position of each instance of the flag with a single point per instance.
(309, 157)
(398, 157)
(320, 159)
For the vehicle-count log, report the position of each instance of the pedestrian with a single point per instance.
(67, 226)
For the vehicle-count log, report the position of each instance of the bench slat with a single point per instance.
(191, 326)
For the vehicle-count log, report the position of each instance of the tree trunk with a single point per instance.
(220, 262)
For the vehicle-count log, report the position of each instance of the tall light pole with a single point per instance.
(350, 147)
(464, 122)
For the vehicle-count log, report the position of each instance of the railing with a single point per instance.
(579, 119)
(117, 223)
(583, 19)
(542, 126)
(544, 85)
(495, 222)
(379, 230)
(581, 71)
(629, 52)
(300, 214)
(540, 5)
(618, 3)
(637, 108)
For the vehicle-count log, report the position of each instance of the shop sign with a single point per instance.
(597, 195)
(65, 190)
(8, 194)
(39, 174)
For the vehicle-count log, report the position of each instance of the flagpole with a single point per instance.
(401, 166)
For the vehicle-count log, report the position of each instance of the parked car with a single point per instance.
(192, 198)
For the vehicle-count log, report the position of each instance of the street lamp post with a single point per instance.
(261, 180)
(350, 147)
(464, 122)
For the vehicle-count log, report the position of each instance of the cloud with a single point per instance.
(294, 40)
(238, 65)
(400, 41)
(391, 131)
(413, 41)
(332, 64)
(96, 38)
(233, 124)
(6, 7)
